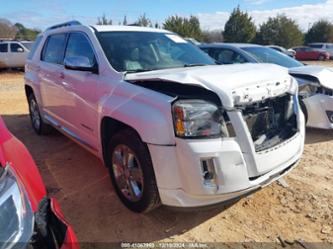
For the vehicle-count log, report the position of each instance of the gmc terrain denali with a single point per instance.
(173, 127)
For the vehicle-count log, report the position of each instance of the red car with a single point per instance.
(307, 53)
(28, 217)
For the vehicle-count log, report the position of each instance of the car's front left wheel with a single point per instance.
(132, 172)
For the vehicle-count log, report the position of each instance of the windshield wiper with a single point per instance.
(195, 65)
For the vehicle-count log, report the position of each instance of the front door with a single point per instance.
(82, 87)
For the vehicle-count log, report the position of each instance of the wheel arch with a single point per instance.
(28, 90)
(109, 127)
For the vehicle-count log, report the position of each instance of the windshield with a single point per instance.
(268, 55)
(145, 51)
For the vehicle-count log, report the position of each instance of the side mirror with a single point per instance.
(20, 50)
(80, 63)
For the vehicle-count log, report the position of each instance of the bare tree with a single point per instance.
(7, 30)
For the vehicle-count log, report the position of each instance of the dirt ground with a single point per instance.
(302, 211)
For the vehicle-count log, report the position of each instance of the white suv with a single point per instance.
(173, 127)
(13, 54)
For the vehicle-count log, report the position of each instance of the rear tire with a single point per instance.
(38, 125)
(131, 171)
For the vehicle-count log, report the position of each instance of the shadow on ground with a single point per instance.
(82, 185)
(318, 135)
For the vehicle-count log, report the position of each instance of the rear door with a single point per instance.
(82, 91)
(301, 54)
(17, 55)
(52, 89)
(3, 55)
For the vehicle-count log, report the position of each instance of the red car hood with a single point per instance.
(14, 153)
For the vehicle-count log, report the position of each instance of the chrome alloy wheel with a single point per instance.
(34, 114)
(127, 172)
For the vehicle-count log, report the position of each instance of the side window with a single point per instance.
(16, 48)
(227, 56)
(34, 47)
(79, 46)
(3, 47)
(53, 50)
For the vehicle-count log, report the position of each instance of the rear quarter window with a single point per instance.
(53, 51)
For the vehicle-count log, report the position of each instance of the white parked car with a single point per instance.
(328, 47)
(12, 54)
(173, 127)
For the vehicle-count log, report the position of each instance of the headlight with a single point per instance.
(197, 118)
(16, 216)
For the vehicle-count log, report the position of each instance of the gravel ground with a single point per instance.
(301, 211)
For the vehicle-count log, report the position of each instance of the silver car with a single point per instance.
(12, 54)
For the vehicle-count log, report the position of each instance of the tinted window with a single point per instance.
(330, 46)
(3, 48)
(34, 47)
(226, 56)
(53, 51)
(316, 45)
(79, 45)
(145, 51)
(16, 48)
(268, 55)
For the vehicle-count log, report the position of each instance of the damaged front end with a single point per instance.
(272, 121)
(21, 227)
(316, 101)
(49, 230)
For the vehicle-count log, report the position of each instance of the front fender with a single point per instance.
(146, 111)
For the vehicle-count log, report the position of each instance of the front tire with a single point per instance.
(131, 171)
(321, 58)
(38, 125)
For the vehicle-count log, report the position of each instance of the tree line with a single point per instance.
(17, 31)
(240, 27)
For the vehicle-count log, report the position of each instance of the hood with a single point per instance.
(234, 84)
(324, 75)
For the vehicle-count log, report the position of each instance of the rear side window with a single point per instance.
(34, 47)
(53, 51)
(16, 48)
(4, 48)
(316, 45)
(79, 45)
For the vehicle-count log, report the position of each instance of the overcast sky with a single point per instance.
(212, 13)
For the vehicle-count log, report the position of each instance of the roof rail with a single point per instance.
(65, 24)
